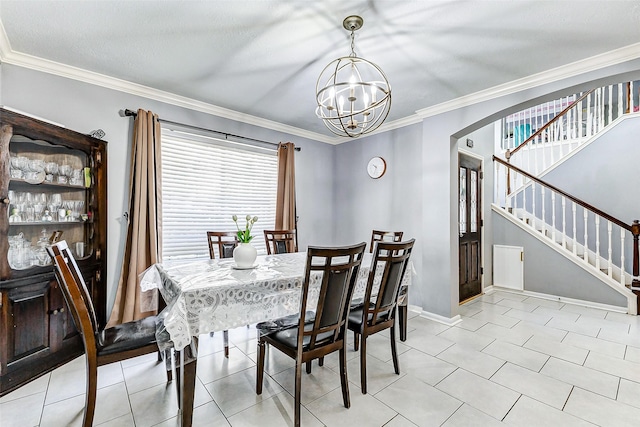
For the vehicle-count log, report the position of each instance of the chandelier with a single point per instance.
(353, 94)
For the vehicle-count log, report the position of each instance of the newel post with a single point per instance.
(635, 230)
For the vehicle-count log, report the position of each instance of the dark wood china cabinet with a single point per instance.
(53, 184)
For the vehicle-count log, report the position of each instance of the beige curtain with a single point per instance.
(143, 243)
(286, 196)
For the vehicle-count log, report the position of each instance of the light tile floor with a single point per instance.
(513, 360)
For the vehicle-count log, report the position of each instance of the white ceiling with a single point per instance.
(263, 58)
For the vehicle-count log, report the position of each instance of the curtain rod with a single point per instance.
(131, 113)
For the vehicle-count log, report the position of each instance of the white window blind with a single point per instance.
(205, 182)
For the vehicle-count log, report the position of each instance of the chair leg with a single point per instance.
(260, 373)
(90, 398)
(344, 381)
(356, 339)
(394, 353)
(168, 354)
(225, 338)
(308, 367)
(363, 363)
(298, 393)
(321, 361)
(402, 318)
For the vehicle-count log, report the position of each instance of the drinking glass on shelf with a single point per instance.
(11, 195)
(67, 205)
(51, 169)
(64, 171)
(36, 165)
(55, 202)
(39, 204)
(78, 209)
(20, 205)
(76, 177)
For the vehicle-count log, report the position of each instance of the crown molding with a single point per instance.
(7, 55)
(39, 64)
(573, 69)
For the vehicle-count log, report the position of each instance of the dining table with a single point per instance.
(211, 295)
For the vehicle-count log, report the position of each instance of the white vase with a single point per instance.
(245, 255)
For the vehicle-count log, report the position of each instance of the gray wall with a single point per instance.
(84, 107)
(418, 194)
(603, 165)
(547, 272)
(436, 289)
(392, 202)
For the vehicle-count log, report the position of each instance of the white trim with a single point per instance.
(632, 302)
(564, 300)
(483, 257)
(7, 55)
(441, 319)
(597, 62)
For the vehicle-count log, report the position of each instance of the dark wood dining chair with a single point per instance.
(403, 298)
(281, 241)
(384, 236)
(225, 242)
(378, 312)
(335, 271)
(104, 346)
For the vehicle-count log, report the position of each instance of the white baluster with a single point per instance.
(524, 197)
(544, 218)
(580, 110)
(564, 222)
(533, 205)
(620, 102)
(599, 112)
(589, 116)
(610, 119)
(575, 237)
(610, 249)
(586, 236)
(597, 218)
(553, 216)
(622, 270)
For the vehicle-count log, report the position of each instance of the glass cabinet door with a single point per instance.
(50, 198)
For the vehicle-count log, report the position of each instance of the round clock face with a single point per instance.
(376, 167)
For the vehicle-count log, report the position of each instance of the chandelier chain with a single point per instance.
(353, 45)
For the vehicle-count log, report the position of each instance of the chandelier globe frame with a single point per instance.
(353, 94)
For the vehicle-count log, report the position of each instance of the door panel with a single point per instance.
(469, 220)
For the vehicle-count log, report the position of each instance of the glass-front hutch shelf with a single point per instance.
(50, 198)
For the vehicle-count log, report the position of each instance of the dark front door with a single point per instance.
(469, 223)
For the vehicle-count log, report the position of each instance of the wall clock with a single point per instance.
(376, 167)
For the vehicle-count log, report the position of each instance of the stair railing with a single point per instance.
(599, 239)
(556, 134)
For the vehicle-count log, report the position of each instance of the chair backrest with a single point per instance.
(384, 236)
(389, 265)
(335, 270)
(224, 241)
(280, 241)
(75, 293)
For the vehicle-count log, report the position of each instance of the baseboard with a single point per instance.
(564, 300)
(441, 319)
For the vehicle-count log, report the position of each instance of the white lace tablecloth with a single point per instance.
(211, 295)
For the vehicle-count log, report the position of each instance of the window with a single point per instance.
(205, 181)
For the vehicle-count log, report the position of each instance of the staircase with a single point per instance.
(591, 238)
